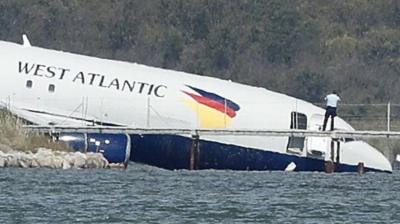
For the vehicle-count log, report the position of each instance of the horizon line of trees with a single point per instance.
(302, 48)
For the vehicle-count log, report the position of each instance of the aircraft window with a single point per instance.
(52, 88)
(29, 84)
(297, 121)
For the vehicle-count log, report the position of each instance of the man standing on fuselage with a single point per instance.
(331, 105)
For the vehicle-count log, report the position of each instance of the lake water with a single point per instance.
(143, 194)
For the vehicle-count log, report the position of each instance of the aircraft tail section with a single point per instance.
(25, 41)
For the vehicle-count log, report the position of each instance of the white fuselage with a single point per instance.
(72, 89)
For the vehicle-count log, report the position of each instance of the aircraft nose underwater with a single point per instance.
(359, 151)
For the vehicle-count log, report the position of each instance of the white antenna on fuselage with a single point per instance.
(25, 41)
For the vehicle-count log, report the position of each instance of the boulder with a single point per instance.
(12, 161)
(79, 160)
(25, 160)
(57, 162)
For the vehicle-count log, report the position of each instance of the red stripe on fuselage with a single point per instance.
(213, 104)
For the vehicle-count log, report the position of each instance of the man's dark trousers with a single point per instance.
(330, 112)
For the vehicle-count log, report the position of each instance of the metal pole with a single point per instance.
(225, 111)
(9, 103)
(388, 116)
(296, 117)
(83, 110)
(198, 116)
(148, 113)
(101, 109)
(332, 150)
(86, 106)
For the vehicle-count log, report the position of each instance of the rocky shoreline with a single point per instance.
(48, 158)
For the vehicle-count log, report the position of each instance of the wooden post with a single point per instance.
(332, 164)
(360, 168)
(329, 167)
(337, 153)
(194, 153)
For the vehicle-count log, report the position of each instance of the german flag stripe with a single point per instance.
(213, 104)
(216, 98)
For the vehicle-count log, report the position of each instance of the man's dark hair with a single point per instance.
(334, 92)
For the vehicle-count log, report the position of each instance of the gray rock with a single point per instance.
(79, 160)
(51, 159)
(12, 161)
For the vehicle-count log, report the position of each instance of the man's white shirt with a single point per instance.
(332, 100)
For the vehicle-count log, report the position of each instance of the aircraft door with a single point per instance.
(317, 147)
(296, 144)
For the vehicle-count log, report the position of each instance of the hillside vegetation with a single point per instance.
(301, 48)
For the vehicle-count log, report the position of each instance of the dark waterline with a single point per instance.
(143, 194)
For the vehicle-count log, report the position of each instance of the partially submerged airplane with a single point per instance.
(48, 87)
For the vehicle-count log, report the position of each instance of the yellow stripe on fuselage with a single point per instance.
(209, 117)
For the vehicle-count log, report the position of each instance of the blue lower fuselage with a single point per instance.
(179, 152)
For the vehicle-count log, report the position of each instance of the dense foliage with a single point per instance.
(303, 48)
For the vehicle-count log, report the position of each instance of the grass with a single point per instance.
(13, 135)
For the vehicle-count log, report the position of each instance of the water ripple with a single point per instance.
(143, 194)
